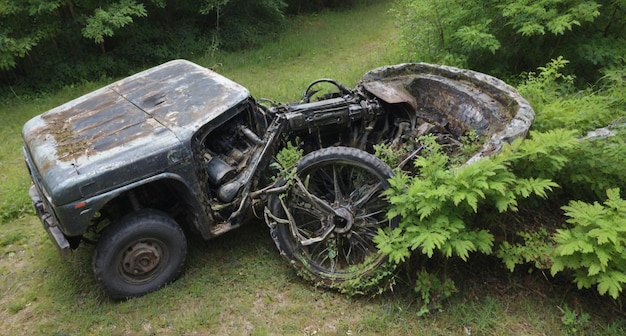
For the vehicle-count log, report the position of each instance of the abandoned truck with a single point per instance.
(180, 150)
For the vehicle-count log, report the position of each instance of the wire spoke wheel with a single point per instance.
(331, 214)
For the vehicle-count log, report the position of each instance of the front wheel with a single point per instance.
(142, 252)
(326, 221)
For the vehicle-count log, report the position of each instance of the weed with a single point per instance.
(592, 246)
(574, 323)
(433, 291)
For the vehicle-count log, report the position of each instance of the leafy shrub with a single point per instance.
(442, 208)
(432, 290)
(594, 247)
(438, 208)
(511, 36)
(536, 249)
(599, 165)
(595, 165)
(591, 245)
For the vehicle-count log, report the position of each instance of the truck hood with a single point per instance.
(125, 131)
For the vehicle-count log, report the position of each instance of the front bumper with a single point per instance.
(49, 222)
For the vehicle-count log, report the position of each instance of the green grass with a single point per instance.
(237, 284)
(339, 45)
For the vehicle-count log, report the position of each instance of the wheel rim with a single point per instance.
(143, 260)
(354, 192)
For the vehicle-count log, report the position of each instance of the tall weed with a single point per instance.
(591, 245)
(441, 209)
(596, 164)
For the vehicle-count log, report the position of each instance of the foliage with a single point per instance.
(594, 246)
(507, 37)
(432, 291)
(560, 105)
(438, 208)
(376, 282)
(574, 323)
(286, 160)
(546, 85)
(598, 167)
(242, 24)
(17, 35)
(391, 155)
(596, 164)
(289, 155)
(105, 20)
(536, 248)
(45, 43)
(591, 246)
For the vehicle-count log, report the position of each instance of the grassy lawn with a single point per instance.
(237, 284)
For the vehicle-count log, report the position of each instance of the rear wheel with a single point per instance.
(141, 253)
(325, 223)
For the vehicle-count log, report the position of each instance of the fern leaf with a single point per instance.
(539, 186)
(557, 266)
(594, 269)
(568, 244)
(483, 240)
(472, 201)
(603, 235)
(582, 280)
(531, 29)
(462, 248)
(611, 283)
(506, 203)
(429, 242)
(603, 257)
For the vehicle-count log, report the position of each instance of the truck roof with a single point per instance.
(126, 121)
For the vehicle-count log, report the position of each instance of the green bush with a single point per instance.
(512, 36)
(594, 246)
(596, 164)
(591, 247)
(447, 210)
(439, 207)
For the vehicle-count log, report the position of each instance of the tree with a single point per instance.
(23, 25)
(58, 41)
(105, 20)
(511, 36)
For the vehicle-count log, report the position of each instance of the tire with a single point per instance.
(139, 254)
(346, 258)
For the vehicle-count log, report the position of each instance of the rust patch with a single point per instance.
(68, 146)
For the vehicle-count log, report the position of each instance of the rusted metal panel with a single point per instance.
(181, 95)
(131, 126)
(458, 99)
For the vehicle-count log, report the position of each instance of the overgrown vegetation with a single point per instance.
(439, 206)
(447, 210)
(595, 164)
(46, 44)
(512, 36)
(238, 284)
